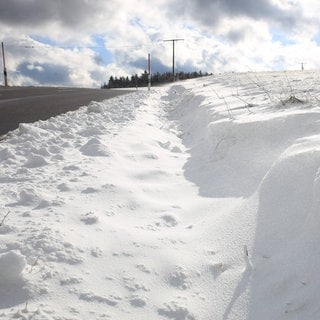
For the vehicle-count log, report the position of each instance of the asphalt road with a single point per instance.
(30, 104)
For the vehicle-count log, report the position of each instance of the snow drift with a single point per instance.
(198, 200)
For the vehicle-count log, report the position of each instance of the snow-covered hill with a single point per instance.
(198, 200)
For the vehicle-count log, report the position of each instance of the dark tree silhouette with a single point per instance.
(156, 79)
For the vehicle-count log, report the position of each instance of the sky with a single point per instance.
(81, 43)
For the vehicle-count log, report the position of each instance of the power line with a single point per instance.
(48, 45)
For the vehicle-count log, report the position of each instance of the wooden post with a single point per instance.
(4, 67)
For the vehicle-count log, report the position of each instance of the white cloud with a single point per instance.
(218, 36)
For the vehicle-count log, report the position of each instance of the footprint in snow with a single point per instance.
(167, 145)
(71, 168)
(133, 285)
(169, 220)
(164, 145)
(143, 268)
(89, 190)
(137, 302)
(179, 279)
(150, 156)
(30, 197)
(96, 252)
(63, 187)
(176, 149)
(70, 281)
(89, 218)
(91, 297)
(174, 311)
(216, 269)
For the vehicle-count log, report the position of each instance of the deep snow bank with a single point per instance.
(268, 151)
(194, 201)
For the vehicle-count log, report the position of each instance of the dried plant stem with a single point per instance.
(4, 218)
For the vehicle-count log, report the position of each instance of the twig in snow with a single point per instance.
(226, 103)
(246, 256)
(34, 264)
(257, 82)
(231, 138)
(217, 94)
(247, 104)
(4, 218)
(289, 84)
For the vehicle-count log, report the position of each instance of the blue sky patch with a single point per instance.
(103, 56)
(102, 52)
(281, 37)
(316, 38)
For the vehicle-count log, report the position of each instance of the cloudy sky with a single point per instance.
(84, 42)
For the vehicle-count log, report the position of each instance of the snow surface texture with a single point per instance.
(198, 200)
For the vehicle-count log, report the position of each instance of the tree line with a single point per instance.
(143, 79)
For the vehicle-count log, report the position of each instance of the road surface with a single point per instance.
(30, 104)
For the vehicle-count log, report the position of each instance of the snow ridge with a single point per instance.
(197, 200)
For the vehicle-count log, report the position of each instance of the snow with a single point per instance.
(196, 200)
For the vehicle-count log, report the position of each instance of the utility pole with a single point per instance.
(173, 41)
(4, 67)
(149, 71)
